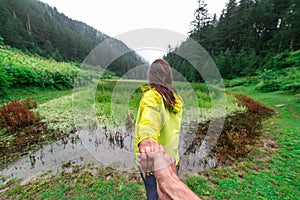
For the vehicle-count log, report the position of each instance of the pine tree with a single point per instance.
(201, 18)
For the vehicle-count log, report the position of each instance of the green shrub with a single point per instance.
(5, 81)
(283, 79)
(240, 81)
(284, 60)
(292, 86)
(282, 72)
(268, 86)
(1, 41)
(22, 75)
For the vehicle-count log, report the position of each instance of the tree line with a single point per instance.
(244, 38)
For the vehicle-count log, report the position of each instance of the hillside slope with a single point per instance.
(33, 26)
(18, 69)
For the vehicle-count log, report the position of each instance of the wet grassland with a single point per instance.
(246, 158)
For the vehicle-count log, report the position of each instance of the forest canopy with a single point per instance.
(246, 36)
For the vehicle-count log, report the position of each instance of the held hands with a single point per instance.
(152, 157)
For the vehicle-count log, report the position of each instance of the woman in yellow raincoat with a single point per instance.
(158, 119)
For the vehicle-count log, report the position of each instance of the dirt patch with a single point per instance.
(240, 133)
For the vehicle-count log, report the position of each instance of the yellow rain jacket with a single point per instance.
(156, 122)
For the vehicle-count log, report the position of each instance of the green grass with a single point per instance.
(271, 171)
(38, 94)
(268, 173)
(86, 182)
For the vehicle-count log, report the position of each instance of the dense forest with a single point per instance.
(244, 39)
(37, 28)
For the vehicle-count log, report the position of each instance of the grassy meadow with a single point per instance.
(270, 171)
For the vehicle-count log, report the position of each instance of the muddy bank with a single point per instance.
(239, 135)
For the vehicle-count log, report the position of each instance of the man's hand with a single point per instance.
(169, 184)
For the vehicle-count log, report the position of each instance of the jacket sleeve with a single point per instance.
(149, 121)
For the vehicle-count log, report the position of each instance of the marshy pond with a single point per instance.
(112, 145)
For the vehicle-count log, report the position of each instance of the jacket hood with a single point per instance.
(179, 102)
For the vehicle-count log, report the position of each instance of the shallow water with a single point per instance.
(112, 148)
(50, 158)
(90, 147)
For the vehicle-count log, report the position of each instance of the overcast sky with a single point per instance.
(114, 17)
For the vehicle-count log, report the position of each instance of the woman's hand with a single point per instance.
(152, 157)
(149, 145)
(146, 147)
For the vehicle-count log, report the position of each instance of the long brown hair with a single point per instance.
(160, 77)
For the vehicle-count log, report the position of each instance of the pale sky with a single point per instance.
(114, 17)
